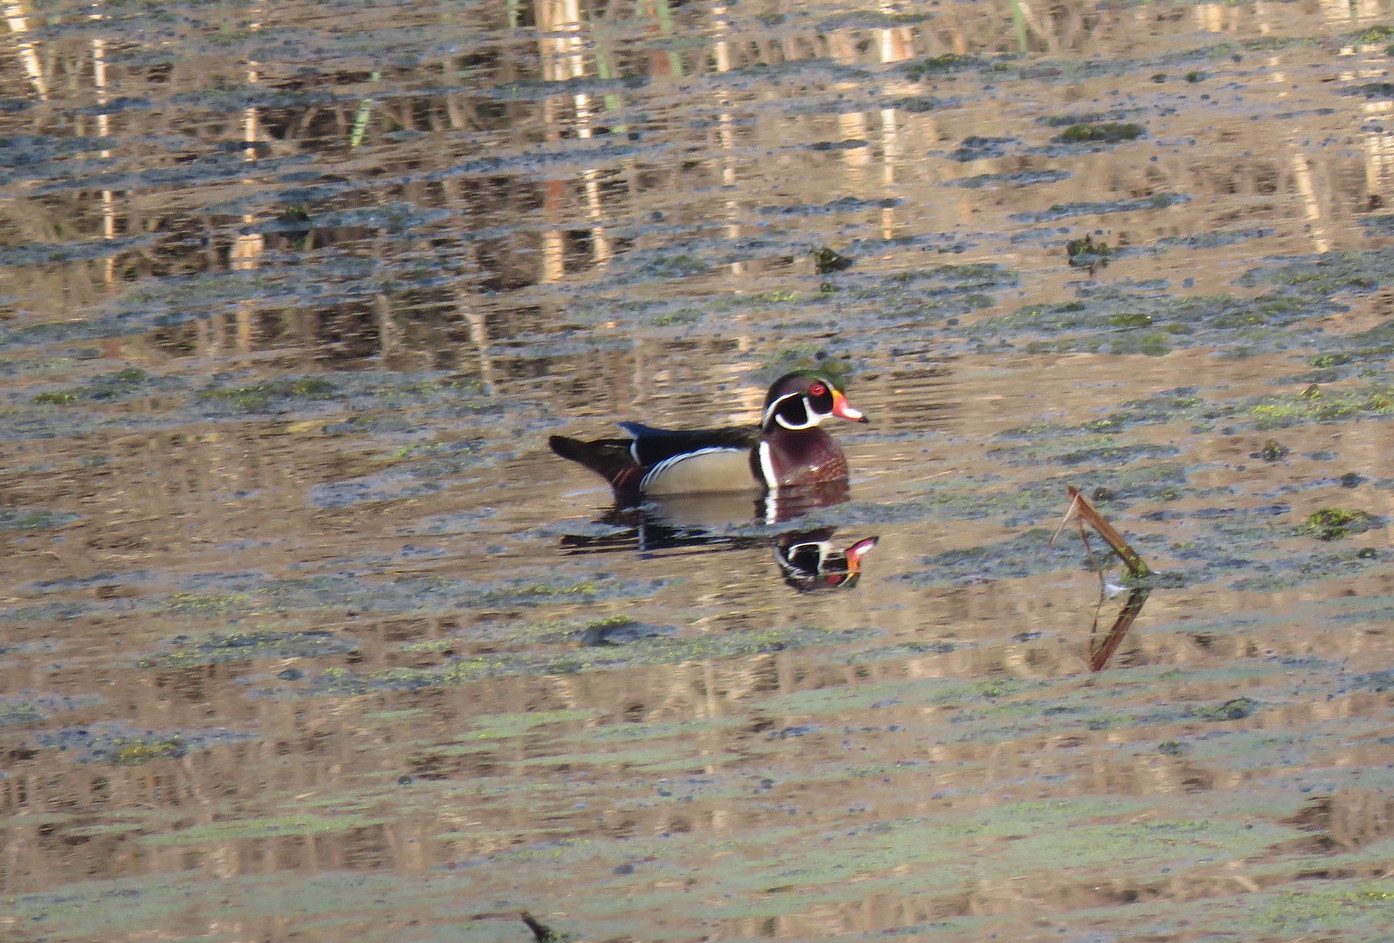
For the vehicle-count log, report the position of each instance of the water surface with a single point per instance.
(307, 635)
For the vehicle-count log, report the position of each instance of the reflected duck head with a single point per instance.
(810, 563)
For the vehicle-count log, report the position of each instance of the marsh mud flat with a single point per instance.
(305, 635)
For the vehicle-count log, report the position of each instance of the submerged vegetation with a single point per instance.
(1335, 523)
(1104, 132)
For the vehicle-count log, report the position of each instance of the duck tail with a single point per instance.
(609, 458)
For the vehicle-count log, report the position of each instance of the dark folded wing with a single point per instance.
(652, 446)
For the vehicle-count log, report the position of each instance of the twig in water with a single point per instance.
(1082, 509)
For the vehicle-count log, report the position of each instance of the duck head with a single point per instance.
(802, 400)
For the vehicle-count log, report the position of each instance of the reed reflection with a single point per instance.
(1101, 651)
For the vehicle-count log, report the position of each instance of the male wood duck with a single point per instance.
(786, 450)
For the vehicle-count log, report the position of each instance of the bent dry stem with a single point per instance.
(1082, 510)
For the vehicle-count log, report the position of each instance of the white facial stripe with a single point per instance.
(813, 420)
(769, 410)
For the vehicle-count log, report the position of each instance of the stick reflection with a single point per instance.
(1100, 654)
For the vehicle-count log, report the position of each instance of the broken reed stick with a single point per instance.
(1081, 508)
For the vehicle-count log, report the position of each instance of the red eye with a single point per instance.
(817, 389)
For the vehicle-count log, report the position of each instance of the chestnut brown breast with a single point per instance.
(804, 457)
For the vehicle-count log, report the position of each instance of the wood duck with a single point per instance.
(786, 450)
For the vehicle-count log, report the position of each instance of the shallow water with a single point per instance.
(307, 634)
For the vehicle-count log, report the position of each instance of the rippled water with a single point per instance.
(306, 634)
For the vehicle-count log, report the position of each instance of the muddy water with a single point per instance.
(306, 635)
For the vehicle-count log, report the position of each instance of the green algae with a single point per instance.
(644, 651)
(441, 897)
(123, 744)
(978, 273)
(34, 519)
(1107, 132)
(1157, 201)
(1234, 709)
(1116, 322)
(1086, 253)
(210, 604)
(19, 714)
(826, 261)
(680, 730)
(259, 397)
(983, 695)
(1020, 836)
(1183, 405)
(333, 904)
(1320, 404)
(1101, 451)
(294, 825)
(226, 647)
(947, 62)
(129, 751)
(1327, 273)
(1370, 35)
(1294, 290)
(106, 387)
(1341, 906)
(58, 397)
(1337, 523)
(394, 715)
(494, 727)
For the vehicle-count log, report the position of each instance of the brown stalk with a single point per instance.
(1082, 509)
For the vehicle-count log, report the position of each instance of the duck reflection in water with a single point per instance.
(813, 563)
(807, 559)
